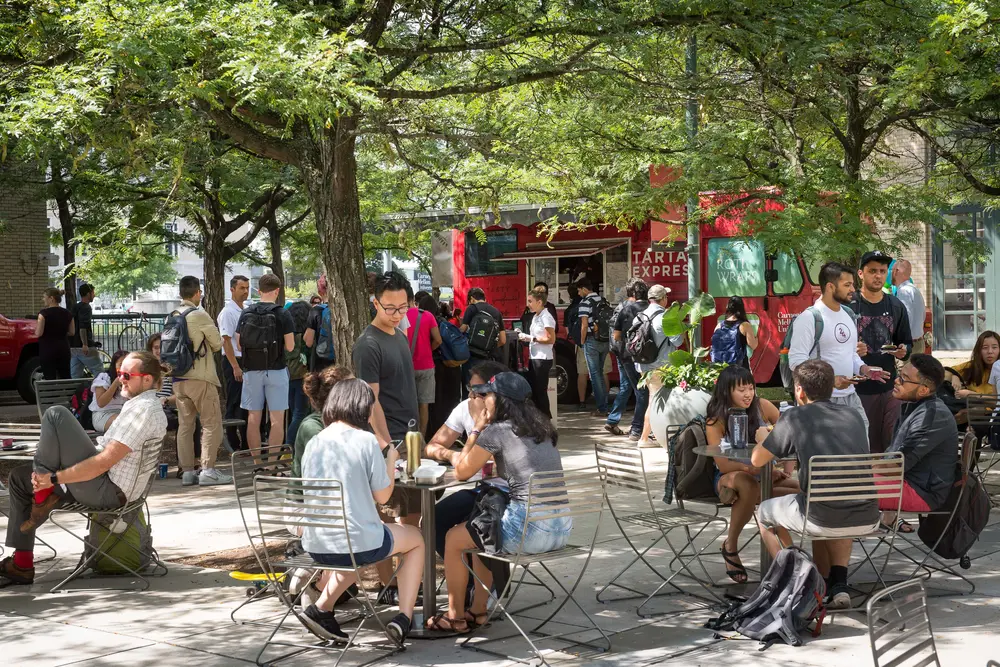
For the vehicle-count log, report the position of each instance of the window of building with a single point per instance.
(736, 268)
(171, 233)
(961, 298)
(479, 257)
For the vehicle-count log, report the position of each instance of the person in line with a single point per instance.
(68, 467)
(83, 352)
(165, 392)
(528, 315)
(197, 392)
(319, 329)
(298, 364)
(264, 333)
(912, 300)
(666, 344)
(838, 344)
(232, 371)
(974, 374)
(523, 441)
(928, 438)
(477, 304)
(107, 398)
(733, 335)
(424, 337)
(54, 325)
(315, 300)
(346, 451)
(636, 301)
(316, 387)
(447, 379)
(541, 338)
(595, 352)
(884, 334)
(817, 427)
(738, 483)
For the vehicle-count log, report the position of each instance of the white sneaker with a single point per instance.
(646, 444)
(189, 478)
(212, 477)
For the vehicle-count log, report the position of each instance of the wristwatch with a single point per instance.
(54, 478)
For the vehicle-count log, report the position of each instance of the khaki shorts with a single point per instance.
(425, 386)
(785, 511)
(581, 362)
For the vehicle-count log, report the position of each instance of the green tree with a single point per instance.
(134, 263)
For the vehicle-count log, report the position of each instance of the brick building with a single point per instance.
(24, 249)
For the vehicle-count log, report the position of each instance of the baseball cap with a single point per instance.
(875, 256)
(510, 385)
(658, 292)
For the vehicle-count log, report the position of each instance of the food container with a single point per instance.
(429, 474)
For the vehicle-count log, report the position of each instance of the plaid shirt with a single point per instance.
(140, 426)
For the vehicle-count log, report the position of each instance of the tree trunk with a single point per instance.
(331, 179)
(277, 266)
(214, 297)
(61, 196)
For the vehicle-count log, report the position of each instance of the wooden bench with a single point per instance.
(56, 392)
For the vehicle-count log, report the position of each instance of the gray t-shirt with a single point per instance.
(824, 428)
(385, 359)
(517, 458)
(353, 458)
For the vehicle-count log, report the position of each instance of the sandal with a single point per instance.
(476, 620)
(902, 526)
(734, 568)
(613, 429)
(456, 625)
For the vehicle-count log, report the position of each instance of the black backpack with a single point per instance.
(603, 317)
(970, 519)
(640, 345)
(788, 599)
(176, 349)
(571, 319)
(484, 334)
(694, 475)
(260, 337)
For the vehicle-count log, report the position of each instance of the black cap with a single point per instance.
(874, 256)
(510, 385)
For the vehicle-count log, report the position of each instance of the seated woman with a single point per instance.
(107, 391)
(974, 375)
(737, 483)
(348, 452)
(522, 440)
(316, 387)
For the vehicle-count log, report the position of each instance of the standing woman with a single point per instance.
(542, 338)
(54, 327)
(734, 335)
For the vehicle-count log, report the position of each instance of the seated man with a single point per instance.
(928, 438)
(816, 427)
(69, 468)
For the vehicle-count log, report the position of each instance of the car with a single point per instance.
(19, 362)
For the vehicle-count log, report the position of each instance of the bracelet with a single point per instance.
(474, 432)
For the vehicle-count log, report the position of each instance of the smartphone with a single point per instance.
(400, 446)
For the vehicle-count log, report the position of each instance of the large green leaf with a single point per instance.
(673, 319)
(702, 352)
(681, 358)
(701, 307)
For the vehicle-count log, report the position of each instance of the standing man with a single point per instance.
(477, 326)
(913, 300)
(837, 343)
(637, 295)
(262, 331)
(232, 373)
(884, 331)
(197, 392)
(82, 355)
(595, 351)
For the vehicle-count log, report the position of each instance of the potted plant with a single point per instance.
(680, 391)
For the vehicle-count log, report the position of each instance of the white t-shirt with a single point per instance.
(228, 319)
(995, 376)
(460, 420)
(104, 381)
(838, 346)
(914, 302)
(541, 321)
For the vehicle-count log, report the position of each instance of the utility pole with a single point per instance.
(691, 120)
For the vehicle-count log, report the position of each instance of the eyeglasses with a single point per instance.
(125, 376)
(902, 380)
(392, 311)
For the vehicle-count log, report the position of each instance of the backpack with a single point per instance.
(454, 347)
(133, 547)
(484, 334)
(640, 345)
(176, 348)
(296, 360)
(324, 347)
(571, 319)
(970, 519)
(726, 346)
(694, 475)
(603, 317)
(260, 337)
(79, 405)
(787, 600)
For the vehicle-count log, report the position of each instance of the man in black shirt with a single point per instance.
(883, 337)
(636, 292)
(82, 355)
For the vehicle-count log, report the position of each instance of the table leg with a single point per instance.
(427, 502)
(765, 493)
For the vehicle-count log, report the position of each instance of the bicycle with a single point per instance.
(133, 336)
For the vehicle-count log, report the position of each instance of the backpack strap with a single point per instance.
(416, 332)
(817, 330)
(201, 351)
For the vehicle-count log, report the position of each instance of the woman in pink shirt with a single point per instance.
(424, 337)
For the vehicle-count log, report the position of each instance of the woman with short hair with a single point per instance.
(53, 329)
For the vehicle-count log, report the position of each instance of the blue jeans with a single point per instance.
(621, 401)
(78, 361)
(641, 396)
(542, 536)
(298, 404)
(595, 353)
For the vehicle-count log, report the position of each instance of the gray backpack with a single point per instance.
(788, 599)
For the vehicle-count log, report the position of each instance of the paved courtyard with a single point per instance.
(183, 619)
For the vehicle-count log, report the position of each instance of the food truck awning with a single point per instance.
(554, 249)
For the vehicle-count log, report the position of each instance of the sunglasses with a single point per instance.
(126, 376)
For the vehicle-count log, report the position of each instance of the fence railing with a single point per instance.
(125, 331)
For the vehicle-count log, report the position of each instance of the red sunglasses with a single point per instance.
(126, 376)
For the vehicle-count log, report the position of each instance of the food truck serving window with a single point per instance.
(735, 268)
(789, 276)
(479, 256)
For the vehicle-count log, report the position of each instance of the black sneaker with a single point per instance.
(398, 628)
(582, 407)
(389, 596)
(323, 624)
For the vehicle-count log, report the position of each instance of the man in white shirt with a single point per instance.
(838, 342)
(239, 290)
(911, 297)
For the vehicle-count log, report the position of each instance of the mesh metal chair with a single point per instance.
(899, 627)
(293, 505)
(580, 495)
(983, 412)
(112, 518)
(625, 468)
(56, 392)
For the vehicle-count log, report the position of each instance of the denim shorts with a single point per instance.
(361, 557)
(261, 386)
(547, 535)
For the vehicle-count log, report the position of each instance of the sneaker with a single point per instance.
(398, 628)
(840, 598)
(646, 444)
(12, 575)
(189, 478)
(634, 437)
(323, 624)
(212, 477)
(389, 596)
(582, 407)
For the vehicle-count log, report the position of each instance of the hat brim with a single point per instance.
(481, 389)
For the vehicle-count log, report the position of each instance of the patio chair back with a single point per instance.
(149, 459)
(56, 392)
(624, 467)
(277, 462)
(982, 410)
(576, 494)
(899, 627)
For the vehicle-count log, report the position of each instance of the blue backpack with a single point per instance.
(323, 346)
(454, 345)
(726, 343)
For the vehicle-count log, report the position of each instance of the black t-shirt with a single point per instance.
(286, 325)
(470, 312)
(384, 359)
(627, 315)
(57, 321)
(82, 314)
(880, 324)
(315, 319)
(823, 428)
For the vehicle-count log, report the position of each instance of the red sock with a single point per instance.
(40, 496)
(24, 559)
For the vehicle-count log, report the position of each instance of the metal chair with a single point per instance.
(110, 518)
(4, 511)
(899, 627)
(56, 392)
(577, 494)
(292, 505)
(625, 468)
(983, 412)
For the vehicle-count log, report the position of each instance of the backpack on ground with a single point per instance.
(454, 347)
(970, 519)
(132, 547)
(260, 337)
(176, 349)
(788, 599)
(484, 334)
(640, 345)
(726, 346)
(79, 405)
(603, 317)
(694, 475)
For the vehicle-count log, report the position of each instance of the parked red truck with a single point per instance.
(19, 355)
